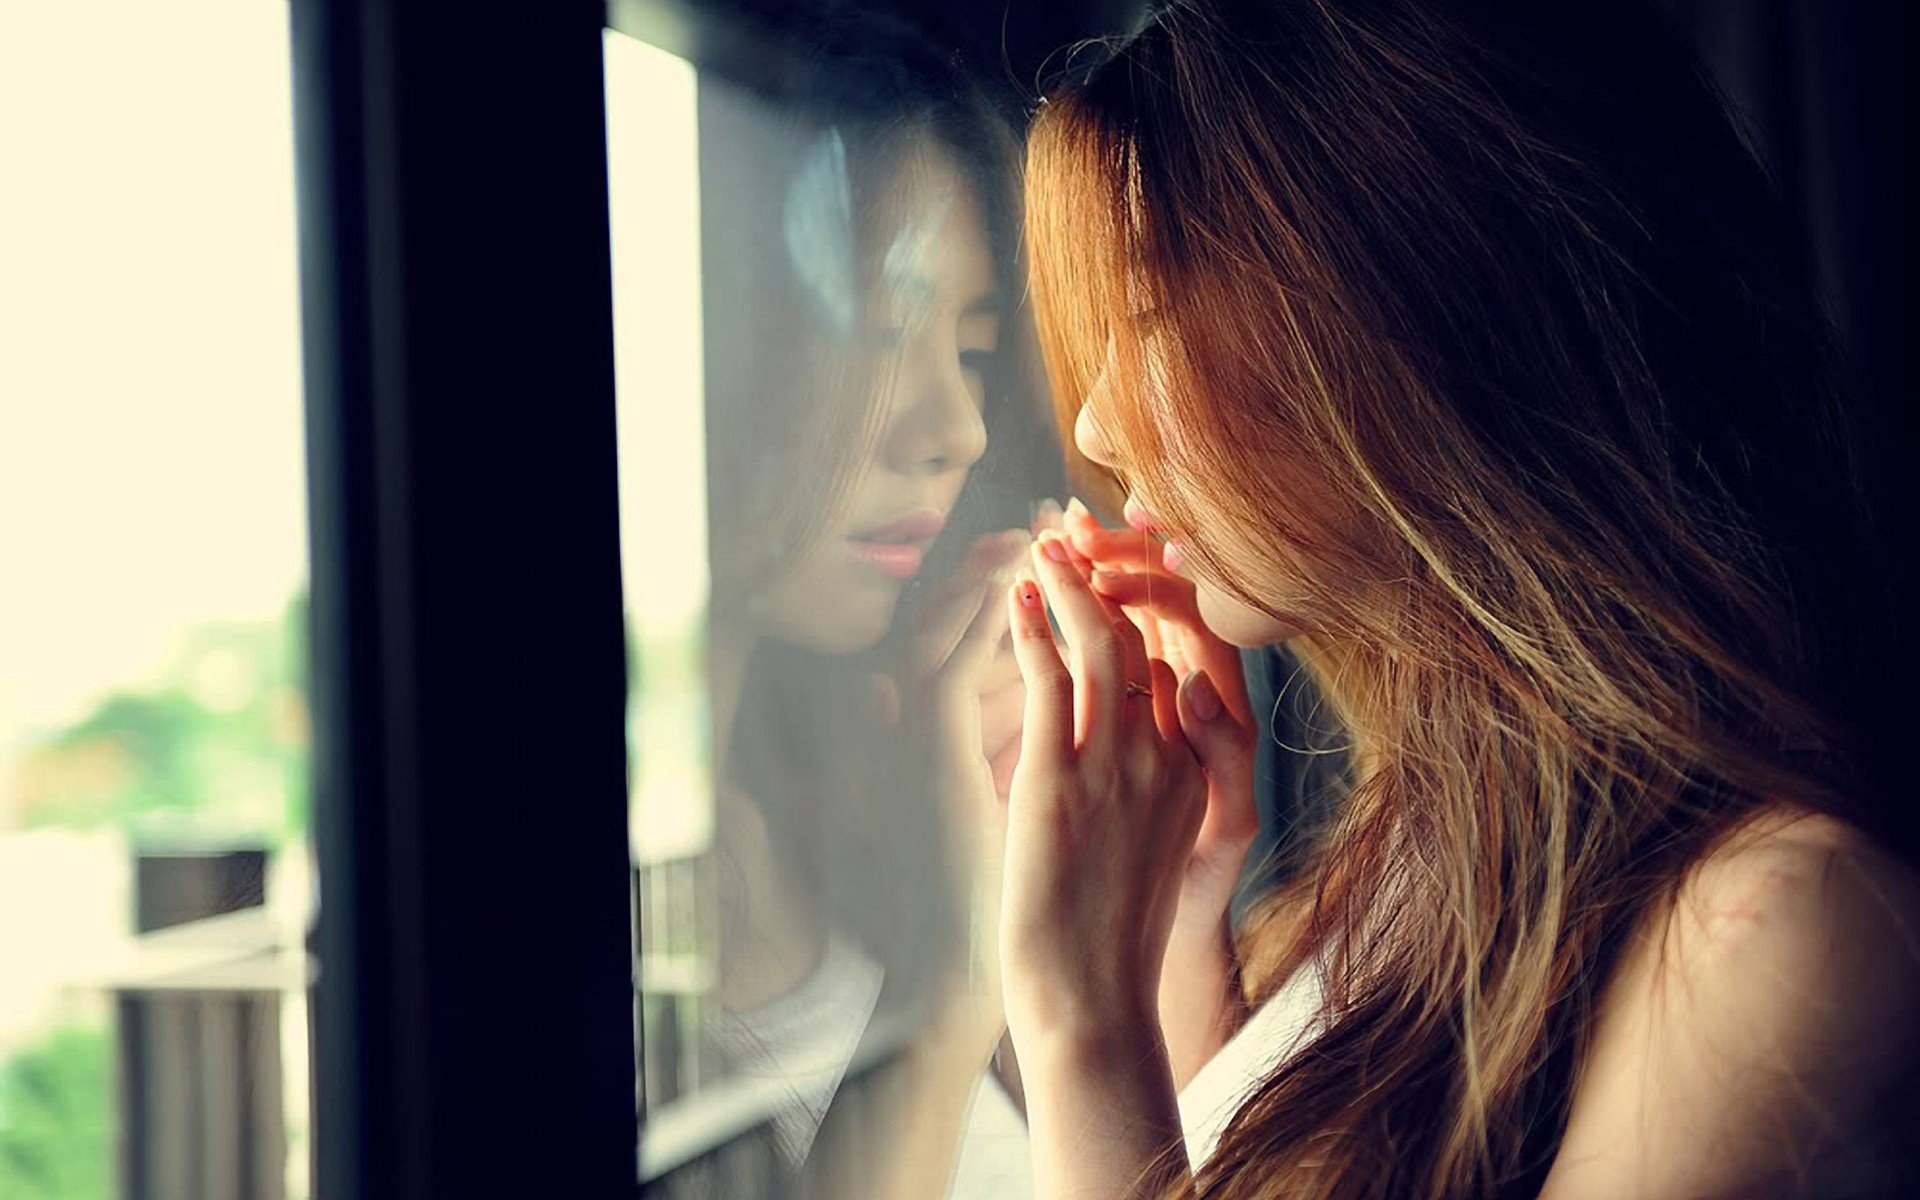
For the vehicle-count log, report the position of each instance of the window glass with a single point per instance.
(153, 739)
(829, 437)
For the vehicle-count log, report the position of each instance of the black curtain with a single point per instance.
(1822, 92)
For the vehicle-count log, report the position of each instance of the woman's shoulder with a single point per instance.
(1792, 881)
(1794, 911)
(1771, 1007)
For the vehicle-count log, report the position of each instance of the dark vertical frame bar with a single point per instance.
(474, 1009)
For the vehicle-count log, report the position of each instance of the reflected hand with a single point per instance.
(962, 676)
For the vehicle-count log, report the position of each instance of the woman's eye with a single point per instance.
(978, 361)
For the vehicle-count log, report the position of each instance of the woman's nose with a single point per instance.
(938, 426)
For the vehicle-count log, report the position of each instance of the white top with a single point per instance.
(806, 1037)
(993, 1160)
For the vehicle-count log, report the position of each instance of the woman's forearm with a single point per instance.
(1102, 1115)
(1201, 1002)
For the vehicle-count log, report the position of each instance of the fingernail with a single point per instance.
(1206, 701)
(1029, 592)
(1078, 510)
(1054, 548)
(1105, 578)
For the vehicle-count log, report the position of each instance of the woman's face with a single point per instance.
(1225, 614)
(931, 312)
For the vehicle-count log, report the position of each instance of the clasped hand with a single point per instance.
(1105, 807)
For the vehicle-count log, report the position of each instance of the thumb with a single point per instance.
(1224, 747)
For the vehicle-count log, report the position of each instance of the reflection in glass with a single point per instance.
(827, 442)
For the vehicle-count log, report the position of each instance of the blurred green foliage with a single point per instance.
(55, 1143)
(216, 746)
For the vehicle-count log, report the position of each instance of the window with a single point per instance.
(154, 874)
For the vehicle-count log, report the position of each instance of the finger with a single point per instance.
(1047, 726)
(1156, 589)
(1175, 600)
(1078, 518)
(1166, 701)
(1153, 601)
(1000, 715)
(1095, 649)
(1046, 515)
(1150, 630)
(1150, 627)
(1000, 668)
(1224, 748)
(1119, 547)
(981, 636)
(1001, 766)
(1135, 647)
(955, 608)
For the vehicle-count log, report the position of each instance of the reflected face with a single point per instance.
(1224, 613)
(929, 315)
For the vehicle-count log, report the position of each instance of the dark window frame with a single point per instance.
(474, 1008)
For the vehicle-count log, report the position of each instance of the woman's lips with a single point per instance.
(898, 547)
(901, 560)
(1136, 515)
(1173, 555)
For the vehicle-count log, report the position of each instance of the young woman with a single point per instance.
(1456, 345)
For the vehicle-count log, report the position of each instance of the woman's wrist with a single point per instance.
(1101, 1110)
(1067, 1031)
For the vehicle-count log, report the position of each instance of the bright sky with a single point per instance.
(653, 182)
(151, 471)
(653, 179)
(151, 443)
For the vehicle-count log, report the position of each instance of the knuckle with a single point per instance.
(1054, 685)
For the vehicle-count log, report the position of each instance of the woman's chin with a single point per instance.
(1234, 622)
(849, 624)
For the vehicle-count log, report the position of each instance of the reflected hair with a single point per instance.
(860, 107)
(800, 405)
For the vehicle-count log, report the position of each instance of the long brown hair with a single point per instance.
(1467, 335)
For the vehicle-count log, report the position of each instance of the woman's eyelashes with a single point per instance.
(979, 361)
